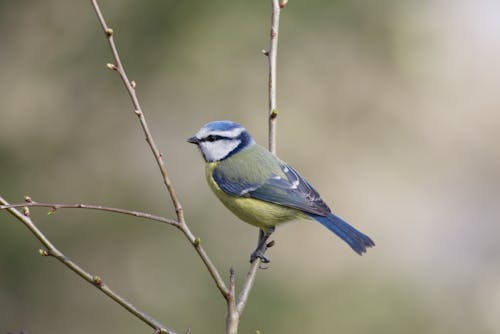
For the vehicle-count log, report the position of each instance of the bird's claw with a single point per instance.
(259, 254)
(262, 246)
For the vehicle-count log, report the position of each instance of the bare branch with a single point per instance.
(130, 87)
(232, 317)
(96, 281)
(235, 305)
(55, 206)
(196, 242)
(247, 287)
(272, 54)
(272, 60)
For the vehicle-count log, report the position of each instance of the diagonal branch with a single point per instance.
(96, 281)
(130, 87)
(247, 286)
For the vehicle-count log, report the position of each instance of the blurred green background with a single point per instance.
(390, 108)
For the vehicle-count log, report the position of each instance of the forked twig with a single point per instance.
(236, 304)
(96, 281)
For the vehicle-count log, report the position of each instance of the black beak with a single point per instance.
(193, 140)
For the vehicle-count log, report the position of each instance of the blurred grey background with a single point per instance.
(390, 108)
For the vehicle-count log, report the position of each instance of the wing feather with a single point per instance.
(288, 189)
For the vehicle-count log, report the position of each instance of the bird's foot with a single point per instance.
(262, 246)
(259, 254)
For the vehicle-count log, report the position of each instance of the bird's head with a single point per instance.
(219, 140)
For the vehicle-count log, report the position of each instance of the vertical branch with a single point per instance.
(233, 316)
(272, 54)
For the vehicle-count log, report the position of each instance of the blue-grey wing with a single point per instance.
(233, 185)
(288, 189)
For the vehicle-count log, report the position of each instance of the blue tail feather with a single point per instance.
(358, 241)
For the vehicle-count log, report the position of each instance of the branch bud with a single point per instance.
(111, 66)
(133, 84)
(26, 211)
(265, 52)
(52, 211)
(197, 241)
(97, 280)
(161, 331)
(283, 3)
(109, 32)
(43, 252)
(274, 114)
(270, 244)
(28, 199)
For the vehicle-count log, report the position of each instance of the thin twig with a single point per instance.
(96, 281)
(247, 287)
(272, 60)
(130, 87)
(56, 206)
(272, 54)
(232, 317)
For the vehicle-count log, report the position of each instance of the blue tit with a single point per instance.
(261, 189)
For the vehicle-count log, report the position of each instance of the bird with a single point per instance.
(261, 189)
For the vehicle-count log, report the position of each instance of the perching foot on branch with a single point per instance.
(262, 246)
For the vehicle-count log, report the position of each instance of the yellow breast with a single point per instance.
(253, 211)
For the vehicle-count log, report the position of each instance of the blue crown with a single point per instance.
(222, 126)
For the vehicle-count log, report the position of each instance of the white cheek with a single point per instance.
(218, 150)
(228, 133)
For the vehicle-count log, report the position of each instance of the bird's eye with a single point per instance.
(211, 138)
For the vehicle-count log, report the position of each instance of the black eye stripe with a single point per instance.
(212, 138)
